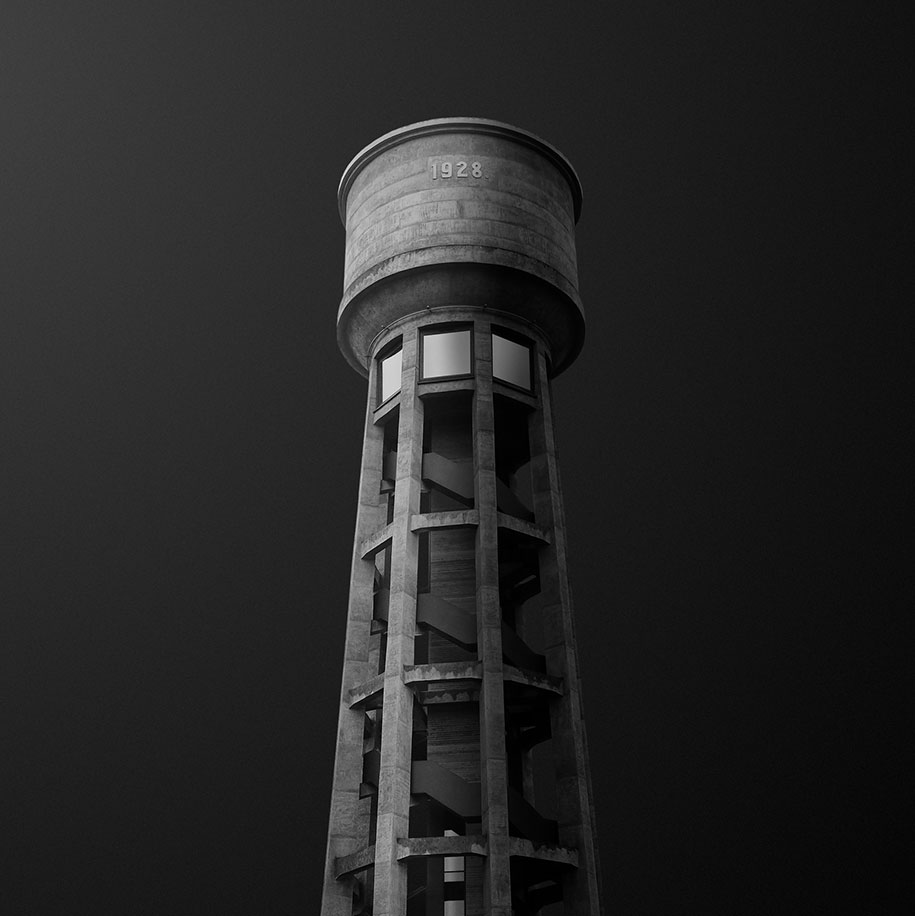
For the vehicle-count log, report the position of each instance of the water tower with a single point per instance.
(461, 784)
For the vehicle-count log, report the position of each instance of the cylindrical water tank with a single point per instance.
(466, 212)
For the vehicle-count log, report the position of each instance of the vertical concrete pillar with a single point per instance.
(574, 803)
(348, 829)
(494, 785)
(397, 715)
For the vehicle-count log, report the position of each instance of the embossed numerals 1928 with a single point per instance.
(458, 169)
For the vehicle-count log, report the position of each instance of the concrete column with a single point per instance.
(581, 888)
(494, 777)
(348, 828)
(397, 713)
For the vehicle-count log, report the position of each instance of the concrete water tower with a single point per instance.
(461, 783)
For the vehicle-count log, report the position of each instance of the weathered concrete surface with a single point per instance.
(375, 541)
(543, 852)
(500, 230)
(533, 679)
(355, 861)
(368, 694)
(443, 846)
(443, 671)
(455, 518)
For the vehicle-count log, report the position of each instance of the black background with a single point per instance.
(180, 438)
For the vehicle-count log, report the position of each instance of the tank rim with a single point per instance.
(453, 125)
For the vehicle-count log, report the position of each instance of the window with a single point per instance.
(511, 361)
(454, 869)
(454, 883)
(446, 354)
(390, 367)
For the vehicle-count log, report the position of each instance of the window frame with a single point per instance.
(433, 329)
(515, 338)
(389, 350)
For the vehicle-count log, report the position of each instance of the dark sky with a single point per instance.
(180, 438)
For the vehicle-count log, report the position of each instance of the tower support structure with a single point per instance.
(461, 782)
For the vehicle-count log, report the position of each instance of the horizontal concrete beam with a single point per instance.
(534, 532)
(461, 693)
(382, 412)
(562, 855)
(375, 541)
(424, 389)
(535, 679)
(455, 518)
(415, 847)
(355, 861)
(443, 671)
(513, 393)
(367, 695)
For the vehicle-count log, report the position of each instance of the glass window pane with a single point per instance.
(511, 362)
(446, 353)
(390, 374)
(453, 908)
